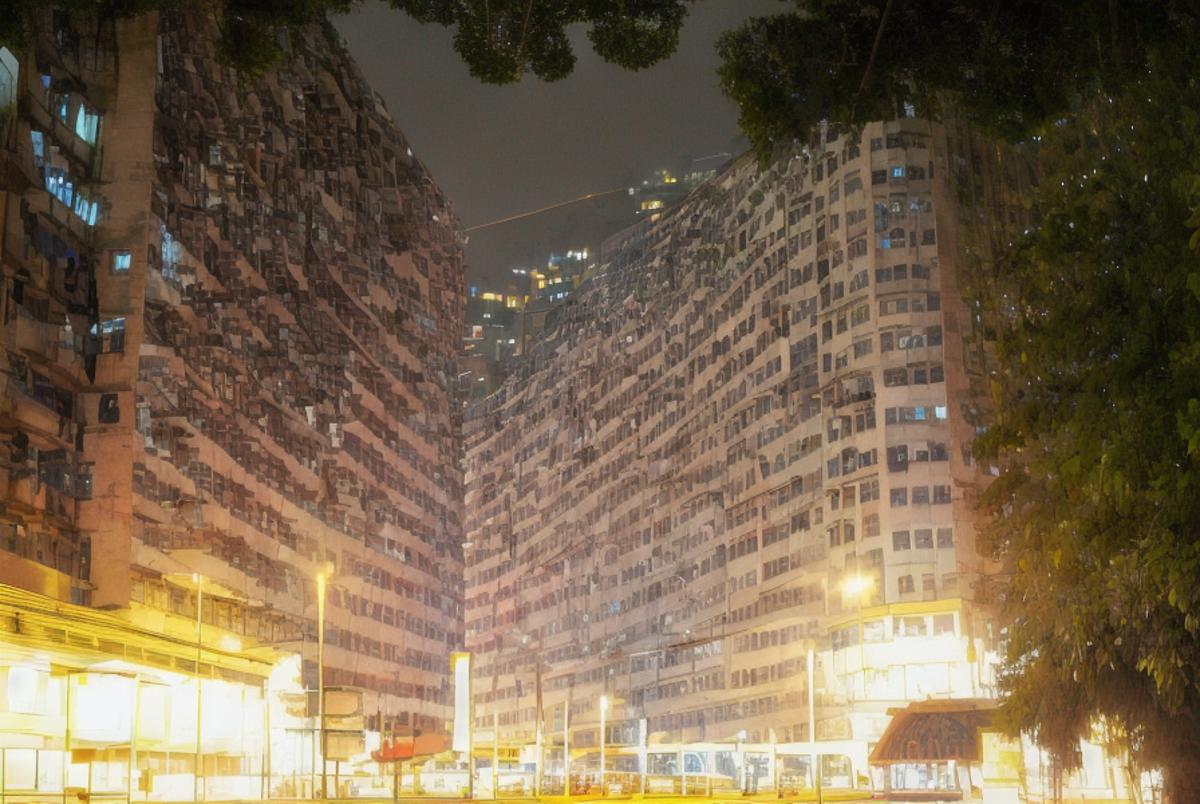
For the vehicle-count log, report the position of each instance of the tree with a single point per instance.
(1097, 511)
(503, 40)
(1008, 66)
(248, 27)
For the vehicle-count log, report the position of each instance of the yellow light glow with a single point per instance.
(230, 642)
(101, 707)
(857, 585)
(603, 703)
(23, 685)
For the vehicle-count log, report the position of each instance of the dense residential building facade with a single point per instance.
(747, 437)
(231, 311)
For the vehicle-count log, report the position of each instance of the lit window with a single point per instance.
(87, 125)
(9, 71)
(122, 261)
(898, 171)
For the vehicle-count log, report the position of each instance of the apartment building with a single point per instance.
(748, 438)
(230, 313)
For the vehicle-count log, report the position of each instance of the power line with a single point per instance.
(531, 213)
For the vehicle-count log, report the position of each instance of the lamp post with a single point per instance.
(603, 712)
(322, 579)
(858, 586)
(197, 783)
(812, 728)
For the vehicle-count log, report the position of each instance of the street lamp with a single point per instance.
(603, 712)
(197, 785)
(814, 767)
(322, 580)
(858, 586)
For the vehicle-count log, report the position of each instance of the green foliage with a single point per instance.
(500, 40)
(503, 40)
(1097, 509)
(1008, 66)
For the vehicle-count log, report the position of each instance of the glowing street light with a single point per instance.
(858, 587)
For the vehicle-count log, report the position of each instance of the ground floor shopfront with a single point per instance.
(94, 707)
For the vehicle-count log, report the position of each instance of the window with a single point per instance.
(870, 525)
(920, 496)
(943, 623)
(879, 176)
(110, 409)
(928, 586)
(905, 584)
(87, 125)
(113, 333)
(9, 71)
(867, 492)
(122, 261)
(899, 497)
(897, 171)
(894, 377)
(910, 626)
(874, 631)
(945, 537)
(901, 540)
(941, 495)
(923, 538)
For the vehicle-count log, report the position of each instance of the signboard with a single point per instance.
(460, 668)
(343, 745)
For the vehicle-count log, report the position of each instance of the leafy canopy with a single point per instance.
(501, 41)
(1008, 66)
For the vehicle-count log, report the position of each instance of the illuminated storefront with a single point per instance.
(91, 705)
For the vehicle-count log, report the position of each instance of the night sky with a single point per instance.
(497, 151)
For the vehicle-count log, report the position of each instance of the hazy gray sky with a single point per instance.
(501, 150)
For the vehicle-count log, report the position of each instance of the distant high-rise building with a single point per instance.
(747, 439)
(231, 311)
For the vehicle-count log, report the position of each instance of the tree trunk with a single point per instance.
(1181, 782)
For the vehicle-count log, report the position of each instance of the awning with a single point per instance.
(935, 731)
(402, 748)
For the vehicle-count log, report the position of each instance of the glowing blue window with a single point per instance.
(87, 125)
(122, 261)
(898, 171)
(939, 412)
